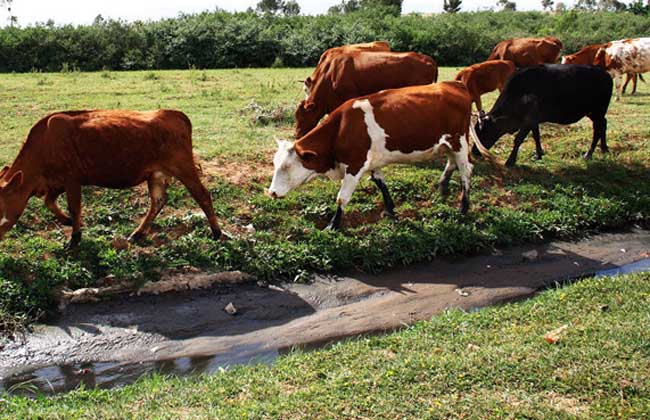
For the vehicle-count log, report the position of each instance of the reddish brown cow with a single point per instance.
(407, 125)
(347, 76)
(485, 77)
(526, 52)
(344, 49)
(112, 149)
(587, 56)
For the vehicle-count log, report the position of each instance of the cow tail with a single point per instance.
(641, 77)
(475, 141)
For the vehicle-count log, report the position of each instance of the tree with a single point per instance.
(547, 4)
(7, 3)
(452, 6)
(351, 6)
(638, 8)
(289, 8)
(506, 5)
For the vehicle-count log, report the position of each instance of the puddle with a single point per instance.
(635, 267)
(63, 378)
(112, 344)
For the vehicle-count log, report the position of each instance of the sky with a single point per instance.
(84, 11)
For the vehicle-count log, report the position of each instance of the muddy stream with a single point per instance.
(115, 342)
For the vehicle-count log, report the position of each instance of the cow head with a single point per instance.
(307, 116)
(487, 132)
(289, 169)
(568, 59)
(12, 199)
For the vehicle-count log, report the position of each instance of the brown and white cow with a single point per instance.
(344, 49)
(587, 56)
(350, 75)
(485, 77)
(112, 149)
(407, 125)
(623, 57)
(526, 52)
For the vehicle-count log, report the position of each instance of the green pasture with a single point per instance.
(236, 115)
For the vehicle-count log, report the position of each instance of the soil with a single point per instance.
(115, 342)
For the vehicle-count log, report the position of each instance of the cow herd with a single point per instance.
(382, 107)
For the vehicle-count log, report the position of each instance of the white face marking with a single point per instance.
(563, 61)
(289, 171)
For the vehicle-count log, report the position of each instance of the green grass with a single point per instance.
(490, 364)
(560, 197)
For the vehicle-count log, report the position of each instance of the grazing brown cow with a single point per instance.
(485, 77)
(344, 49)
(407, 125)
(347, 76)
(526, 52)
(587, 56)
(112, 149)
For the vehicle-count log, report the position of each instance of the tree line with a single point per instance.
(251, 39)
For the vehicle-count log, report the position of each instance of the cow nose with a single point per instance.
(271, 194)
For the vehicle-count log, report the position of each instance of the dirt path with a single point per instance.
(115, 342)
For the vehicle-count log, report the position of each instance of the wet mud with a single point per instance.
(113, 343)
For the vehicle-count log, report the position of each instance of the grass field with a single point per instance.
(490, 364)
(236, 116)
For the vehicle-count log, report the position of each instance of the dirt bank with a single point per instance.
(114, 342)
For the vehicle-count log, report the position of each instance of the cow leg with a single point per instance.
(348, 185)
(443, 184)
(465, 168)
(519, 139)
(479, 105)
(378, 178)
(600, 133)
(538, 144)
(73, 196)
(190, 178)
(157, 185)
(617, 83)
(50, 203)
(634, 80)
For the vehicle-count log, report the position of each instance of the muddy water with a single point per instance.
(113, 343)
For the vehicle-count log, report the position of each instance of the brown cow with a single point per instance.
(587, 56)
(344, 49)
(485, 77)
(112, 149)
(526, 52)
(407, 125)
(347, 76)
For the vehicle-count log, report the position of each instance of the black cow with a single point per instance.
(557, 93)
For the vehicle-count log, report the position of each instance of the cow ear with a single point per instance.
(307, 155)
(308, 105)
(15, 181)
(308, 82)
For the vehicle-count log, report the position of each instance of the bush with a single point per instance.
(229, 40)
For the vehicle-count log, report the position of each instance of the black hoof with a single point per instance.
(66, 222)
(510, 163)
(222, 236)
(586, 156)
(75, 240)
(135, 237)
(390, 214)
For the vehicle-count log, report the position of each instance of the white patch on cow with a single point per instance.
(348, 185)
(378, 155)
(563, 61)
(289, 171)
(462, 161)
(4, 220)
(633, 56)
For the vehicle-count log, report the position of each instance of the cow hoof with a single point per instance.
(389, 214)
(331, 228)
(135, 237)
(66, 222)
(539, 157)
(222, 236)
(75, 240)
(510, 163)
(586, 156)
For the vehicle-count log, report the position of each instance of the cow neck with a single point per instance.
(320, 141)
